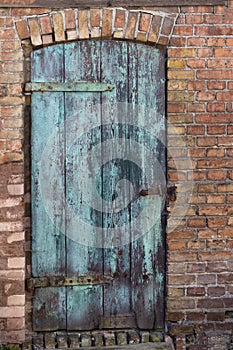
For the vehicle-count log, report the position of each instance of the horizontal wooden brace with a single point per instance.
(68, 87)
(60, 281)
(113, 3)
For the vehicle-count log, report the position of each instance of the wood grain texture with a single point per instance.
(134, 255)
(82, 63)
(48, 243)
(110, 3)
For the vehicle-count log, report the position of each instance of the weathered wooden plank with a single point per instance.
(116, 187)
(84, 303)
(48, 242)
(66, 87)
(100, 3)
(146, 71)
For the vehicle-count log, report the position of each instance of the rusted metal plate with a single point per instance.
(100, 3)
(98, 165)
(72, 87)
(43, 282)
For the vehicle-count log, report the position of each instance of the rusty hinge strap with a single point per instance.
(57, 281)
(82, 86)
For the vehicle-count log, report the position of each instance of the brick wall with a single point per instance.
(200, 139)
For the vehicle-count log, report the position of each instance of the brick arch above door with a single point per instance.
(152, 27)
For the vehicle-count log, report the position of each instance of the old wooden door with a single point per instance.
(98, 165)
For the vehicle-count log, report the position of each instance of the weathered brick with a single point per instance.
(16, 300)
(83, 24)
(95, 17)
(107, 23)
(35, 32)
(59, 30)
(22, 29)
(154, 29)
(45, 24)
(131, 25)
(70, 20)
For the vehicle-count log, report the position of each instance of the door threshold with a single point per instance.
(116, 339)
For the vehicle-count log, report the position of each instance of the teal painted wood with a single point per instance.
(84, 58)
(48, 243)
(105, 139)
(117, 296)
(146, 75)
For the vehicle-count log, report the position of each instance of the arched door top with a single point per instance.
(152, 27)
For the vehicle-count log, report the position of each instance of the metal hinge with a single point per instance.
(82, 86)
(59, 281)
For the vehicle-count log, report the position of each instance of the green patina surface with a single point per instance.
(113, 138)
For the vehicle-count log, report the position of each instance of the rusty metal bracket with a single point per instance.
(57, 281)
(171, 193)
(82, 86)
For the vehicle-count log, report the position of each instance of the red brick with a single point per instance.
(215, 152)
(22, 29)
(216, 316)
(206, 141)
(196, 63)
(224, 96)
(195, 316)
(210, 303)
(144, 22)
(217, 175)
(215, 42)
(70, 20)
(29, 11)
(131, 26)
(216, 85)
(197, 42)
(196, 130)
(196, 85)
(183, 30)
(196, 222)
(215, 74)
(35, 32)
(196, 152)
(120, 19)
(216, 129)
(83, 24)
(174, 316)
(210, 31)
(206, 96)
(196, 107)
(176, 245)
(176, 41)
(45, 24)
(154, 29)
(176, 107)
(205, 52)
(227, 232)
(225, 140)
(215, 210)
(181, 279)
(230, 129)
(215, 199)
(216, 222)
(167, 26)
(216, 107)
(224, 188)
(196, 291)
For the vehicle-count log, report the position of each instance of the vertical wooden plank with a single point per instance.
(48, 242)
(82, 62)
(117, 304)
(146, 72)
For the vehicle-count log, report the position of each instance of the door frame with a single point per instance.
(28, 48)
